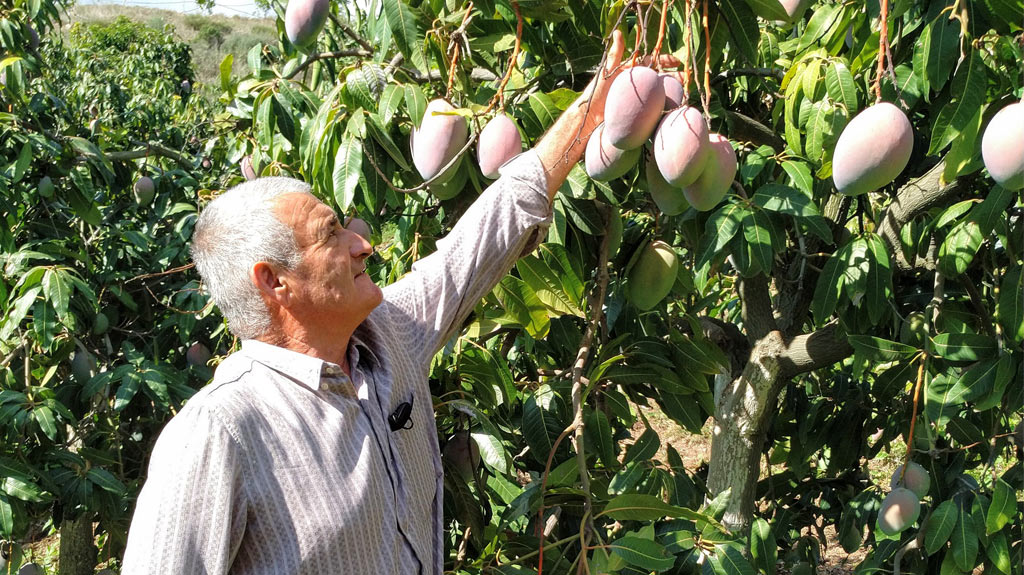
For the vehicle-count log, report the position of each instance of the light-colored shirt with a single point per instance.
(283, 465)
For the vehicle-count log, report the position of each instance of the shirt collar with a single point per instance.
(305, 369)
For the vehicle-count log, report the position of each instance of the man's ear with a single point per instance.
(271, 285)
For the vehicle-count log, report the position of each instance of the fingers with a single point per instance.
(615, 52)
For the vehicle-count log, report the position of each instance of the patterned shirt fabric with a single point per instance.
(284, 465)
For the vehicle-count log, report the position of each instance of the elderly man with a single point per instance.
(314, 449)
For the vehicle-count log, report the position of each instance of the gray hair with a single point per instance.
(236, 231)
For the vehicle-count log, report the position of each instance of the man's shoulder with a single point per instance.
(231, 383)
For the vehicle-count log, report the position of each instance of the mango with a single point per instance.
(198, 355)
(786, 11)
(100, 324)
(83, 366)
(605, 162)
(653, 275)
(359, 226)
(451, 183)
(900, 510)
(912, 331)
(681, 146)
(144, 190)
(303, 21)
(1002, 147)
(438, 138)
(670, 200)
(463, 454)
(915, 479)
(674, 96)
(635, 102)
(716, 179)
(249, 171)
(872, 150)
(33, 38)
(45, 187)
(499, 142)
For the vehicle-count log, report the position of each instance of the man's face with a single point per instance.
(330, 286)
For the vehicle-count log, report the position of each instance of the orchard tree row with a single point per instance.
(807, 238)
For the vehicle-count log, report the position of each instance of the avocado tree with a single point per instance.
(807, 328)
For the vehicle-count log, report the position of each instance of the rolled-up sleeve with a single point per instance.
(190, 515)
(441, 289)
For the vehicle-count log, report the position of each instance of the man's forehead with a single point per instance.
(295, 207)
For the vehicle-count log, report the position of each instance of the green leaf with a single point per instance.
(416, 103)
(106, 480)
(742, 28)
(57, 290)
(763, 548)
(879, 278)
(964, 540)
(683, 410)
(544, 108)
(642, 507)
(821, 22)
(800, 174)
(23, 489)
(819, 127)
(1006, 368)
(541, 424)
(959, 248)
(645, 447)
(403, 29)
(840, 86)
(225, 72)
(881, 350)
(127, 390)
(599, 434)
(643, 553)
(6, 516)
(546, 284)
(44, 417)
(965, 346)
(969, 84)
(940, 525)
(936, 52)
(992, 209)
(348, 165)
(1010, 305)
(787, 200)
(830, 285)
(390, 99)
(491, 451)
(719, 230)
(757, 230)
(523, 306)
(730, 561)
(998, 551)
(1002, 508)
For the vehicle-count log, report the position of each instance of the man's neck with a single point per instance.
(334, 349)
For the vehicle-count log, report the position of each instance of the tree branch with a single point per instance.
(351, 33)
(746, 129)
(147, 149)
(913, 198)
(815, 350)
(324, 56)
(758, 319)
(777, 73)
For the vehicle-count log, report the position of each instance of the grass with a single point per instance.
(212, 37)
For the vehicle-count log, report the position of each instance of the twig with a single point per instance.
(883, 49)
(456, 40)
(327, 55)
(661, 35)
(500, 95)
(707, 65)
(687, 39)
(739, 72)
(14, 353)
(441, 172)
(352, 34)
(163, 273)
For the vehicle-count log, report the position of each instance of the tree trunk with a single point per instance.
(77, 546)
(742, 414)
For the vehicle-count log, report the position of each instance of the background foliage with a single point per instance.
(786, 262)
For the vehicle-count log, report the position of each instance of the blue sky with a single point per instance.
(226, 7)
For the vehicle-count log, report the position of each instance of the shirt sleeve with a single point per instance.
(441, 289)
(190, 515)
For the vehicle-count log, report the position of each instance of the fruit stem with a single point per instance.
(456, 39)
(499, 97)
(707, 64)
(883, 49)
(661, 36)
(913, 419)
(639, 34)
(686, 51)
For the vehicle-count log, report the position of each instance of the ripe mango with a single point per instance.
(1002, 147)
(605, 162)
(915, 479)
(144, 190)
(359, 226)
(463, 454)
(872, 150)
(635, 102)
(249, 171)
(716, 179)
(653, 275)
(198, 355)
(900, 510)
(303, 21)
(499, 142)
(669, 199)
(674, 96)
(438, 138)
(681, 146)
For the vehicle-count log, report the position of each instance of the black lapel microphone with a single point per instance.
(401, 418)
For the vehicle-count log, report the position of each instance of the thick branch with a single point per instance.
(147, 149)
(777, 73)
(746, 129)
(351, 33)
(758, 320)
(477, 75)
(815, 350)
(912, 199)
